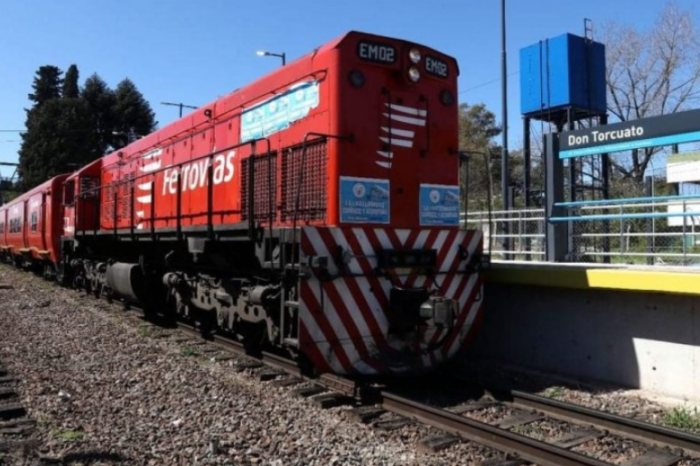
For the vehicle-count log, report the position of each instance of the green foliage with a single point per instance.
(101, 101)
(188, 351)
(477, 128)
(134, 117)
(70, 83)
(68, 435)
(68, 128)
(58, 140)
(683, 418)
(553, 392)
(46, 85)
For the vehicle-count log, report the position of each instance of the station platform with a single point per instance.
(661, 279)
(631, 326)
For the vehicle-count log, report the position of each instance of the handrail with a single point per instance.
(117, 184)
(629, 200)
(578, 218)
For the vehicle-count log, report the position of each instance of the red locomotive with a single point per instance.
(316, 210)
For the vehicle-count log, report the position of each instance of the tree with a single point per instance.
(58, 140)
(101, 101)
(46, 85)
(70, 83)
(477, 128)
(651, 73)
(134, 117)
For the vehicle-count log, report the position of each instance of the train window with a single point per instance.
(69, 193)
(88, 187)
(2, 227)
(34, 221)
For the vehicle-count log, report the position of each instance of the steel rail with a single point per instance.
(503, 440)
(622, 426)
(329, 381)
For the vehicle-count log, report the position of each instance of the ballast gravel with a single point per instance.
(105, 390)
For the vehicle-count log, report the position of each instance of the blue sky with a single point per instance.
(193, 52)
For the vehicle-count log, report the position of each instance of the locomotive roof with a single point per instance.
(247, 95)
(45, 186)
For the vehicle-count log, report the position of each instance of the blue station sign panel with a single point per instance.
(676, 128)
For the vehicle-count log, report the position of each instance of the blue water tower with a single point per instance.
(561, 75)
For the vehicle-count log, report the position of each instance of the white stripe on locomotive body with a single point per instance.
(152, 154)
(383, 164)
(404, 133)
(440, 241)
(383, 237)
(324, 347)
(474, 310)
(405, 119)
(329, 309)
(379, 314)
(140, 214)
(408, 110)
(149, 167)
(397, 142)
(348, 301)
(385, 154)
(145, 199)
(420, 281)
(370, 254)
(145, 186)
(403, 235)
(357, 317)
(452, 252)
(365, 255)
(353, 264)
(420, 240)
(320, 249)
(341, 332)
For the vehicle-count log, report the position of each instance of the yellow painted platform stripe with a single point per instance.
(616, 279)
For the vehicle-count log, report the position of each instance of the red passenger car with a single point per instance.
(32, 225)
(316, 210)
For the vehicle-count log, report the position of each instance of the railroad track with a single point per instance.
(667, 446)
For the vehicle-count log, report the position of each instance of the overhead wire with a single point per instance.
(486, 83)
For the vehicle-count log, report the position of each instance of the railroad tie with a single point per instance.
(6, 393)
(264, 376)
(654, 458)
(502, 463)
(518, 419)
(471, 407)
(11, 411)
(287, 382)
(309, 391)
(578, 437)
(392, 424)
(331, 400)
(365, 414)
(436, 443)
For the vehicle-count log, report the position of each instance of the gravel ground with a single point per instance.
(105, 391)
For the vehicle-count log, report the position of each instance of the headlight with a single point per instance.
(414, 74)
(357, 78)
(446, 97)
(414, 54)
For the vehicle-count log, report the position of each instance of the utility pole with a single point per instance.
(504, 99)
(181, 105)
